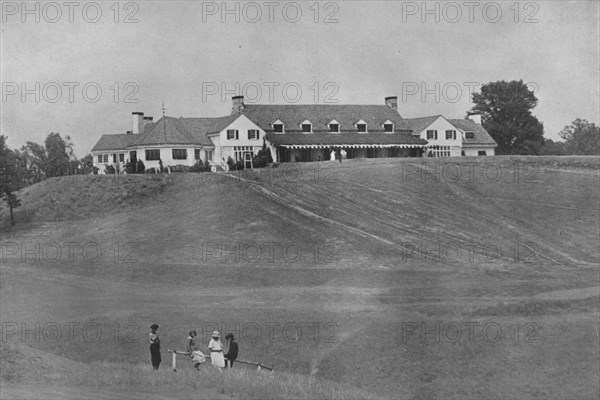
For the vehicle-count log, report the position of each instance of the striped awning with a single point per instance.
(353, 146)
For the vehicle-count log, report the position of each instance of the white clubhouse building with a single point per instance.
(293, 133)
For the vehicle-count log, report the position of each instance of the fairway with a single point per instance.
(458, 278)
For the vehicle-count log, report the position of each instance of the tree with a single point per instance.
(505, 108)
(87, 164)
(552, 148)
(33, 159)
(581, 138)
(58, 156)
(10, 179)
(263, 157)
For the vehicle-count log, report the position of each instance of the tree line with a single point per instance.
(36, 162)
(505, 109)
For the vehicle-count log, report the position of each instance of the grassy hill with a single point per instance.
(331, 272)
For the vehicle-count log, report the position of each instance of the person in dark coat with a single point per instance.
(155, 347)
(232, 351)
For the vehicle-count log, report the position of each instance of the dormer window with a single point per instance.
(361, 126)
(278, 126)
(306, 126)
(388, 127)
(470, 135)
(334, 126)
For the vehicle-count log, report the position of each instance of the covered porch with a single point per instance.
(317, 152)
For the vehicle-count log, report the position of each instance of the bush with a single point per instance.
(239, 165)
(141, 168)
(109, 169)
(207, 166)
(152, 170)
(263, 158)
(130, 167)
(180, 168)
(231, 163)
(198, 167)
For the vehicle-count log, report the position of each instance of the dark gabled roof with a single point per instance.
(200, 127)
(114, 142)
(292, 115)
(482, 137)
(167, 130)
(418, 124)
(189, 131)
(279, 139)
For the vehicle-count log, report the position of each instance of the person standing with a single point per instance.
(232, 350)
(155, 347)
(216, 350)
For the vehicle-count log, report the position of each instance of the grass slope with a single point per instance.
(177, 250)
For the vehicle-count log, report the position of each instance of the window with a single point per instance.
(481, 153)
(241, 151)
(388, 128)
(334, 128)
(152, 155)
(362, 128)
(278, 128)
(450, 135)
(105, 157)
(196, 154)
(179, 154)
(208, 154)
(441, 151)
(99, 158)
(306, 126)
(470, 135)
(252, 134)
(122, 157)
(431, 135)
(233, 134)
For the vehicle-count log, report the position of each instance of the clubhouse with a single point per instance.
(293, 133)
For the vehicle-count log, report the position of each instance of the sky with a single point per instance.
(81, 68)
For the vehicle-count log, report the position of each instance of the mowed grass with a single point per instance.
(358, 294)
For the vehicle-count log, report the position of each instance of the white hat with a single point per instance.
(216, 334)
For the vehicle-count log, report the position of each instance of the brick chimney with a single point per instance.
(392, 102)
(137, 122)
(238, 105)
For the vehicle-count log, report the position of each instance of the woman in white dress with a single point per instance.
(216, 350)
(197, 356)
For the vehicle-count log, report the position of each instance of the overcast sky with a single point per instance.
(187, 53)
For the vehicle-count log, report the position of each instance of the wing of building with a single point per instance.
(293, 133)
